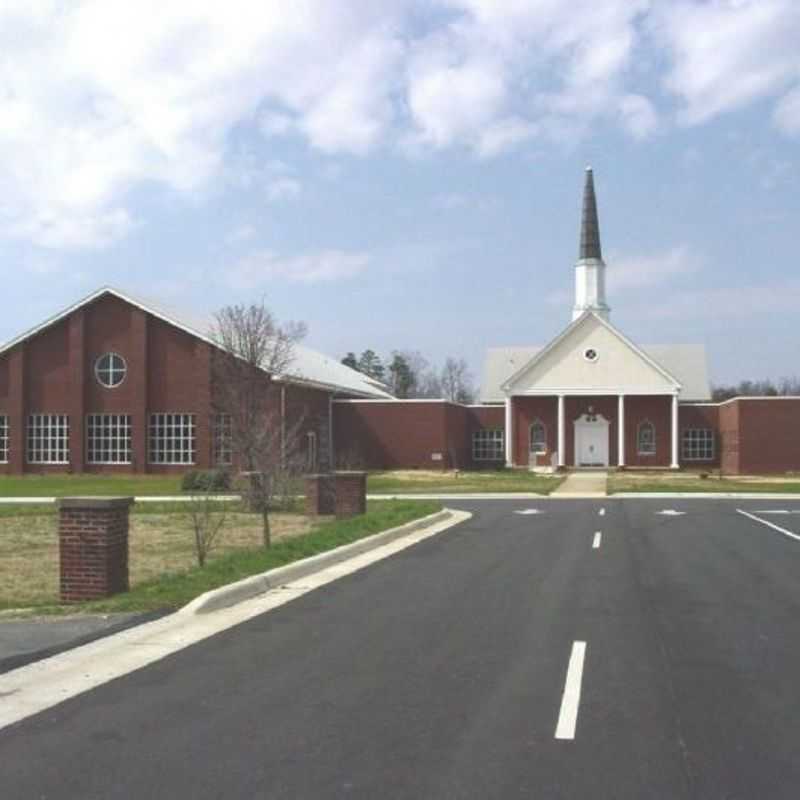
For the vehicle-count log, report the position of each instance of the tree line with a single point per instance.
(408, 374)
(765, 388)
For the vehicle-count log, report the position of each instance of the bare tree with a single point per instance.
(207, 516)
(254, 350)
(456, 381)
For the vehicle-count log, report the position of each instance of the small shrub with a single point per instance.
(206, 480)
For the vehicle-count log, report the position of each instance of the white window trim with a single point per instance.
(493, 443)
(5, 436)
(639, 427)
(61, 423)
(685, 457)
(193, 439)
(121, 423)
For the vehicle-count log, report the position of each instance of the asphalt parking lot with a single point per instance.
(558, 649)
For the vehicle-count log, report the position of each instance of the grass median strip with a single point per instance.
(162, 575)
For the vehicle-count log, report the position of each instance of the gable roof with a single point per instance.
(685, 365)
(307, 367)
(574, 325)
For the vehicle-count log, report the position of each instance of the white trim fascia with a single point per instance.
(604, 391)
(96, 295)
(396, 400)
(509, 383)
(740, 397)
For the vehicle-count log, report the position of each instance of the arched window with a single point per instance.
(646, 439)
(538, 437)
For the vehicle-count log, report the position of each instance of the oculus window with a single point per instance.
(110, 370)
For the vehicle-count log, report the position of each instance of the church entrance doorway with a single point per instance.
(591, 440)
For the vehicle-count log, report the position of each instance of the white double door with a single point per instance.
(591, 441)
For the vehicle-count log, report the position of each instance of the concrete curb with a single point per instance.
(149, 498)
(707, 495)
(247, 588)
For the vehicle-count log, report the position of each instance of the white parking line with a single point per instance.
(770, 525)
(596, 542)
(571, 699)
(602, 512)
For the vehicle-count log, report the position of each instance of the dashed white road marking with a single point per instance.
(571, 699)
(602, 512)
(671, 512)
(769, 524)
(529, 511)
(779, 511)
(596, 541)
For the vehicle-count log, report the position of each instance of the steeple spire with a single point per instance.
(590, 227)
(590, 271)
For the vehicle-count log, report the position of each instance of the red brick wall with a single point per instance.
(404, 435)
(769, 435)
(658, 411)
(526, 410)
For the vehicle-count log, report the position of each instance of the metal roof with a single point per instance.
(590, 226)
(308, 366)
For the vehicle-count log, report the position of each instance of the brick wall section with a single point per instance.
(93, 547)
(769, 434)
(397, 434)
(320, 495)
(351, 493)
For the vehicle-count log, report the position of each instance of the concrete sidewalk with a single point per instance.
(583, 484)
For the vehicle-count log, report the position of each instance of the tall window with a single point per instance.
(48, 439)
(488, 446)
(646, 439)
(3, 439)
(172, 439)
(697, 444)
(311, 451)
(223, 440)
(538, 437)
(108, 439)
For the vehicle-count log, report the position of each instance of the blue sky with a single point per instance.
(407, 175)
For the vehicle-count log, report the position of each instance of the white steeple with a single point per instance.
(590, 270)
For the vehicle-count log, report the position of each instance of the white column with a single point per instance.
(561, 437)
(509, 435)
(621, 430)
(674, 464)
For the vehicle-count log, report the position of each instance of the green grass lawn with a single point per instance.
(692, 482)
(161, 545)
(88, 485)
(426, 481)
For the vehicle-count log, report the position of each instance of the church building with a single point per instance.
(116, 383)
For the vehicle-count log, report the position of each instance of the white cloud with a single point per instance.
(283, 189)
(261, 267)
(728, 53)
(99, 97)
(631, 272)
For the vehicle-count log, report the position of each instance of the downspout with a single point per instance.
(283, 427)
(331, 459)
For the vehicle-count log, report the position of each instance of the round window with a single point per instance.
(110, 370)
(590, 354)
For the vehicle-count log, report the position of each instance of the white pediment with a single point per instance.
(591, 357)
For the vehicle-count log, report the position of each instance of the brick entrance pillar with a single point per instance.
(93, 544)
(351, 493)
(320, 495)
